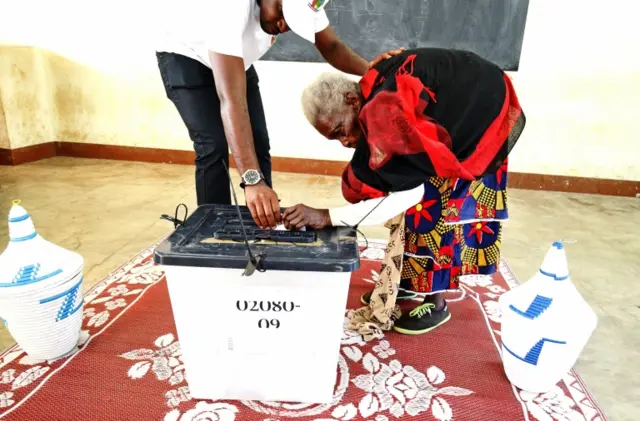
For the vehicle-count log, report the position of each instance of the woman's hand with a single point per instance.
(385, 56)
(300, 216)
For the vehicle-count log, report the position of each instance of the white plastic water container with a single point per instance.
(40, 290)
(271, 336)
(545, 325)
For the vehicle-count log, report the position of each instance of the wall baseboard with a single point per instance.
(525, 181)
(6, 156)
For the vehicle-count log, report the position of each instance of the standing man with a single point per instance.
(206, 64)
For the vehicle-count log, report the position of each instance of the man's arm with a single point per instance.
(338, 54)
(343, 58)
(231, 85)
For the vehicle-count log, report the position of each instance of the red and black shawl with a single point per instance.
(431, 112)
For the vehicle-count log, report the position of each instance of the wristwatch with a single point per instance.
(251, 178)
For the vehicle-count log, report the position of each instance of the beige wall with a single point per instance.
(26, 103)
(48, 97)
(578, 87)
(4, 136)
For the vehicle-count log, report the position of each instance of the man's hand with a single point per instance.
(300, 216)
(263, 203)
(338, 54)
(385, 56)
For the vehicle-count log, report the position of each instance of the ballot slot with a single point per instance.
(236, 234)
(233, 230)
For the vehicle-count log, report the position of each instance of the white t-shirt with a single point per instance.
(223, 26)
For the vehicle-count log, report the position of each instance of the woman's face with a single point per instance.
(343, 125)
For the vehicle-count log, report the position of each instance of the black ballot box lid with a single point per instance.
(212, 237)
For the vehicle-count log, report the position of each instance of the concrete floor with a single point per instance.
(108, 211)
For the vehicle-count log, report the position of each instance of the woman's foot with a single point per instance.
(427, 316)
(402, 295)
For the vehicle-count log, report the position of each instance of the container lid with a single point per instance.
(555, 263)
(30, 261)
(212, 237)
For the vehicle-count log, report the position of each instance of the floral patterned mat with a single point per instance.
(128, 365)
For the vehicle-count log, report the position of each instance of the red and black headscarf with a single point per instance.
(431, 112)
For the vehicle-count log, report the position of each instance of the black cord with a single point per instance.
(255, 261)
(175, 219)
(355, 227)
(357, 230)
(186, 213)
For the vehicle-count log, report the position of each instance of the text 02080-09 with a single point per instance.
(267, 306)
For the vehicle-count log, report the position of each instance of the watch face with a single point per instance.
(252, 177)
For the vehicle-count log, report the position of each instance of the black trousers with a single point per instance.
(190, 86)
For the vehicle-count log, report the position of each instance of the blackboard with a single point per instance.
(493, 29)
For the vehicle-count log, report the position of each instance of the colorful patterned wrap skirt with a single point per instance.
(455, 230)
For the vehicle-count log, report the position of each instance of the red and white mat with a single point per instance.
(129, 366)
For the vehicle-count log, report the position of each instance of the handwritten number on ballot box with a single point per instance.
(267, 307)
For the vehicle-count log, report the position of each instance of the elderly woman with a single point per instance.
(431, 130)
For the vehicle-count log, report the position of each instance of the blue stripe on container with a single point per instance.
(19, 218)
(538, 306)
(534, 353)
(62, 294)
(554, 276)
(67, 308)
(42, 278)
(25, 238)
(75, 310)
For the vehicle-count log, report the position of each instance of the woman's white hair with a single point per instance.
(326, 95)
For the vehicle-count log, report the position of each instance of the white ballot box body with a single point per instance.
(545, 325)
(273, 335)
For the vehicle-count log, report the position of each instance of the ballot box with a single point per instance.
(269, 331)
